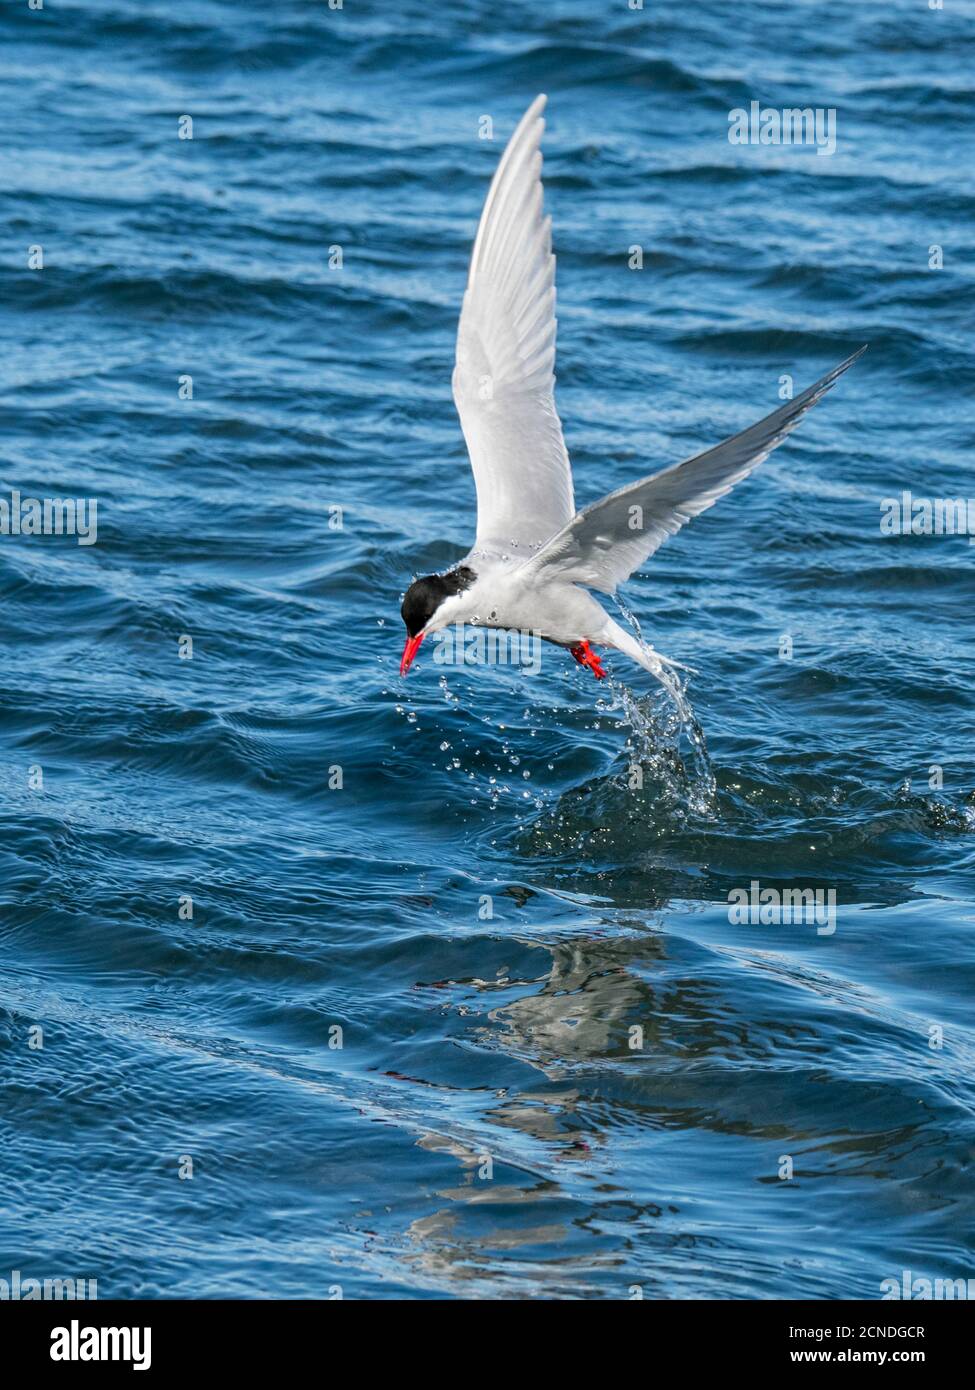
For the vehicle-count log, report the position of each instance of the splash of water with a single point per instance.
(666, 738)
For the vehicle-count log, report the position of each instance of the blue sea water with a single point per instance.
(486, 908)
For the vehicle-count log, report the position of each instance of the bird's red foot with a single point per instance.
(585, 656)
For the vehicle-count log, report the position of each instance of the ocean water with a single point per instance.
(564, 1070)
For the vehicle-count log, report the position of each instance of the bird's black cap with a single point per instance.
(424, 596)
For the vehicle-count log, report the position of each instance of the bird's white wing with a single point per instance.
(504, 378)
(603, 544)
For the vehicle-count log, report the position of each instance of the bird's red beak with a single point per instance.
(410, 651)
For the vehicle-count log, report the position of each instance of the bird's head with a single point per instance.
(430, 604)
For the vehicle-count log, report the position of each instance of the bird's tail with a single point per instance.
(659, 666)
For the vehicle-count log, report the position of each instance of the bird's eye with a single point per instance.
(494, 614)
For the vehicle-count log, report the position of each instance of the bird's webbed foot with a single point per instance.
(585, 656)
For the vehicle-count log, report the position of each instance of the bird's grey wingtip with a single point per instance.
(848, 361)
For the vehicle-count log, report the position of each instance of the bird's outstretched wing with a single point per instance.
(504, 380)
(603, 544)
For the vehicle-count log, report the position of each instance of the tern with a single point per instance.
(535, 558)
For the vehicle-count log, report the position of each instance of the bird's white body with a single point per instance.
(557, 612)
(535, 558)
